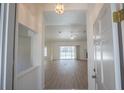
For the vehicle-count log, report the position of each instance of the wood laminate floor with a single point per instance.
(66, 74)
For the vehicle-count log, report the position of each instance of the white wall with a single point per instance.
(53, 48)
(32, 77)
(30, 62)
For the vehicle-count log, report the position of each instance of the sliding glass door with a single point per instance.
(67, 52)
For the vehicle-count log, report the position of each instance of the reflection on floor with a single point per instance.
(66, 74)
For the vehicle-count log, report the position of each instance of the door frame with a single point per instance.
(7, 45)
(117, 52)
(121, 44)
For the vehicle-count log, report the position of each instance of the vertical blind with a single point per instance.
(67, 52)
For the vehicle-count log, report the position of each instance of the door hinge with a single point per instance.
(118, 16)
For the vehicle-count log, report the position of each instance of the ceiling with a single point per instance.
(68, 6)
(70, 24)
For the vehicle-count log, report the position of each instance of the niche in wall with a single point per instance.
(25, 36)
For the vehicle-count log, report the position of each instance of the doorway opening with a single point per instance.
(66, 53)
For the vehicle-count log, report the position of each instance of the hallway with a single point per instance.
(62, 46)
(66, 74)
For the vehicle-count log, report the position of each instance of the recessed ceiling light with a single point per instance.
(72, 37)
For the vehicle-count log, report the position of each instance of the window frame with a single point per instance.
(68, 52)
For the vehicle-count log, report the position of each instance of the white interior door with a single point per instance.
(104, 50)
(97, 53)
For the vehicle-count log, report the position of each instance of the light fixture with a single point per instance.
(71, 37)
(59, 9)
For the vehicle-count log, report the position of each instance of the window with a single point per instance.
(67, 52)
(45, 51)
